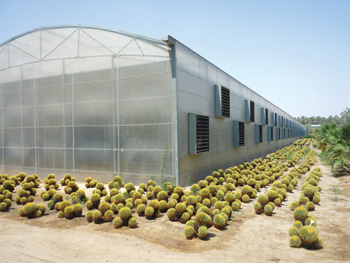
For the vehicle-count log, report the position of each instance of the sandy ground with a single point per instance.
(247, 238)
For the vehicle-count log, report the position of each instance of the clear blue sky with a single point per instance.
(295, 53)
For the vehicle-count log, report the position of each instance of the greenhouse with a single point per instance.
(92, 101)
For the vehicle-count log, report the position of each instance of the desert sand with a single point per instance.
(248, 237)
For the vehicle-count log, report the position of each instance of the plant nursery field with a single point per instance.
(247, 237)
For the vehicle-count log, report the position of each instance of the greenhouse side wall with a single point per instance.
(196, 80)
(96, 103)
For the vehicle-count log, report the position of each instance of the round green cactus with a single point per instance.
(57, 197)
(60, 214)
(189, 232)
(318, 243)
(293, 231)
(103, 207)
(140, 209)
(258, 208)
(298, 224)
(30, 208)
(202, 232)
(235, 206)
(180, 208)
(204, 193)
(129, 187)
(268, 210)
(294, 205)
(118, 199)
(69, 212)
(108, 216)
(295, 241)
(117, 222)
(277, 201)
(272, 195)
(149, 212)
(95, 199)
(316, 199)
(119, 206)
(229, 197)
(37, 213)
(63, 205)
(171, 214)
(206, 202)
(42, 208)
(203, 219)
(3, 206)
(309, 223)
(185, 217)
(303, 200)
(132, 222)
(219, 205)
(204, 209)
(245, 198)
(227, 211)
(21, 212)
(310, 205)
(125, 213)
(219, 221)
(89, 205)
(191, 200)
(308, 235)
(89, 215)
(78, 210)
(163, 206)
(300, 213)
(96, 216)
(162, 195)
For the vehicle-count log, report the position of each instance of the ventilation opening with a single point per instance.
(202, 135)
(275, 119)
(271, 133)
(252, 111)
(241, 133)
(279, 133)
(260, 134)
(225, 102)
(267, 116)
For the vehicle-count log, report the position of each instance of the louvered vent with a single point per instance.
(275, 119)
(202, 135)
(271, 133)
(260, 134)
(252, 111)
(225, 102)
(279, 134)
(267, 116)
(241, 134)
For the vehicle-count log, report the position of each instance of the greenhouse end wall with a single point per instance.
(86, 101)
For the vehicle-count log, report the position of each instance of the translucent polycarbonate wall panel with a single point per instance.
(145, 116)
(82, 100)
(196, 79)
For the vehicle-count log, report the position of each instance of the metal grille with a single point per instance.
(275, 119)
(202, 134)
(225, 102)
(267, 116)
(241, 134)
(271, 133)
(279, 134)
(252, 111)
(260, 134)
